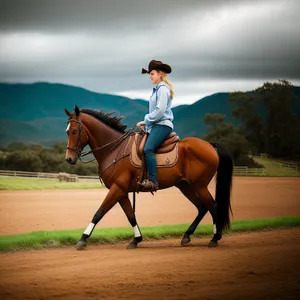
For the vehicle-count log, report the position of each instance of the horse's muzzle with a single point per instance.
(71, 161)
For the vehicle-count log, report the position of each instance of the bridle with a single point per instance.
(78, 149)
(113, 144)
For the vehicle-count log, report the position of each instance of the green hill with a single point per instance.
(189, 118)
(35, 112)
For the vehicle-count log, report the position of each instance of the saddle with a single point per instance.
(166, 146)
(166, 154)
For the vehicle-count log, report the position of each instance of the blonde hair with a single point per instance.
(165, 78)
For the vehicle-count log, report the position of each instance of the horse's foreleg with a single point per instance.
(114, 195)
(127, 208)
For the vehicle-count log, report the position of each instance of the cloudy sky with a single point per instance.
(211, 45)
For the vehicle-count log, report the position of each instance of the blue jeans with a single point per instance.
(157, 135)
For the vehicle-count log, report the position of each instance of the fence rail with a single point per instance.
(28, 174)
(245, 171)
(43, 175)
(237, 171)
(292, 166)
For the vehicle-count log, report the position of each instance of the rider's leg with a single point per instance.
(157, 135)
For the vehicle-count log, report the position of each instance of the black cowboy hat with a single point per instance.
(157, 65)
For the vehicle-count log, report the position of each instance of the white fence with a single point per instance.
(44, 175)
(245, 171)
(28, 174)
(237, 171)
(292, 166)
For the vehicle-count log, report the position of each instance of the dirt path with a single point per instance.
(252, 198)
(261, 265)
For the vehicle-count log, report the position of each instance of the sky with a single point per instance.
(211, 45)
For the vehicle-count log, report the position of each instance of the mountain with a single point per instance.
(189, 119)
(28, 102)
(35, 112)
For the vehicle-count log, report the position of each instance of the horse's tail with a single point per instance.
(223, 187)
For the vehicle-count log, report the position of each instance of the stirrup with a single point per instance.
(147, 186)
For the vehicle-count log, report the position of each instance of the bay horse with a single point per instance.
(198, 162)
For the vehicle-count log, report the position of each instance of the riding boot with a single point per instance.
(148, 186)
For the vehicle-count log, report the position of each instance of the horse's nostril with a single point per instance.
(69, 159)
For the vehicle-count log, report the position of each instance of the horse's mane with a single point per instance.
(107, 118)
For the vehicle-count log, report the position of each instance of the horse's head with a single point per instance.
(77, 138)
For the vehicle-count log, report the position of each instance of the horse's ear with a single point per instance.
(67, 112)
(77, 111)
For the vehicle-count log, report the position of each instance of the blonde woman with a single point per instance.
(158, 121)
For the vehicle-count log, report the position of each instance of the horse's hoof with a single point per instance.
(185, 241)
(80, 245)
(132, 246)
(213, 244)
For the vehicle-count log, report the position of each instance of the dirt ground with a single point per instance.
(261, 265)
(252, 198)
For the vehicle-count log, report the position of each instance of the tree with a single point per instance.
(35, 158)
(50, 159)
(59, 147)
(251, 124)
(16, 146)
(269, 119)
(23, 160)
(230, 136)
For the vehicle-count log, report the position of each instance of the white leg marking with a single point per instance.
(215, 229)
(89, 229)
(137, 232)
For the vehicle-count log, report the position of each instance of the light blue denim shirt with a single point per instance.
(159, 111)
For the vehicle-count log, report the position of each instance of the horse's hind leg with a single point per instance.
(189, 191)
(208, 201)
(127, 208)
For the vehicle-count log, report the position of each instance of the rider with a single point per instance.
(158, 121)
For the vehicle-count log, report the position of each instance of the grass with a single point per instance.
(18, 183)
(53, 239)
(274, 167)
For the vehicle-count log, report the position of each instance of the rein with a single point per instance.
(81, 154)
(114, 144)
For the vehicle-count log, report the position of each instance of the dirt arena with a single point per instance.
(252, 198)
(261, 265)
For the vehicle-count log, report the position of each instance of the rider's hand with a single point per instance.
(140, 124)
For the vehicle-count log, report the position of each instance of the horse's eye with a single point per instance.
(74, 131)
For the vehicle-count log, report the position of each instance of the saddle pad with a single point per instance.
(163, 160)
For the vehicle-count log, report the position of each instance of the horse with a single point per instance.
(198, 162)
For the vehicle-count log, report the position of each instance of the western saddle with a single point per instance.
(166, 146)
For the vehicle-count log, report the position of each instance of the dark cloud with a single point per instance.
(100, 15)
(76, 15)
(103, 45)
